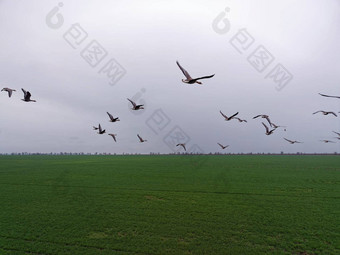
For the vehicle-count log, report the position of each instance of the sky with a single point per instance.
(80, 59)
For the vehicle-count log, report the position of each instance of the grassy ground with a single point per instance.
(169, 205)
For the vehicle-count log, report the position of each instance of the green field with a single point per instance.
(170, 204)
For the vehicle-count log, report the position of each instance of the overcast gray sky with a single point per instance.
(47, 49)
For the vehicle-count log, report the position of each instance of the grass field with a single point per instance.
(170, 205)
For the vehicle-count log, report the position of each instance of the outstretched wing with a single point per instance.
(111, 117)
(224, 115)
(287, 140)
(317, 112)
(140, 138)
(204, 77)
(267, 130)
(25, 92)
(233, 115)
(328, 96)
(257, 116)
(333, 114)
(186, 74)
(133, 103)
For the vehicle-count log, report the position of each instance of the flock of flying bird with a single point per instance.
(189, 80)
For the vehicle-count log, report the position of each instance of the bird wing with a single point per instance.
(205, 77)
(316, 112)
(25, 92)
(224, 115)
(333, 114)
(9, 92)
(267, 130)
(220, 145)
(186, 74)
(140, 138)
(267, 118)
(233, 115)
(257, 116)
(113, 136)
(133, 103)
(183, 145)
(100, 128)
(287, 140)
(111, 117)
(328, 95)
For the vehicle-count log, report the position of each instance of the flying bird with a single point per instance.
(183, 145)
(113, 136)
(240, 120)
(291, 142)
(268, 132)
(326, 113)
(27, 96)
(222, 146)
(100, 131)
(111, 118)
(135, 106)
(141, 139)
(226, 118)
(10, 91)
(190, 80)
(328, 96)
(327, 141)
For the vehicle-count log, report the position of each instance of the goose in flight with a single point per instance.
(141, 139)
(290, 141)
(111, 118)
(100, 130)
(113, 136)
(10, 91)
(268, 132)
(265, 117)
(328, 96)
(190, 80)
(240, 120)
(27, 96)
(326, 113)
(222, 146)
(183, 145)
(135, 106)
(226, 118)
(327, 141)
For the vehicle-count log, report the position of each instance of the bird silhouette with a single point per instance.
(9, 91)
(326, 113)
(141, 139)
(222, 146)
(112, 119)
(268, 132)
(135, 106)
(190, 80)
(27, 96)
(226, 118)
